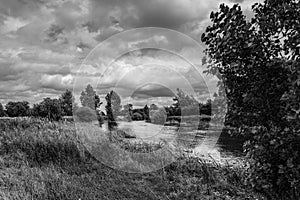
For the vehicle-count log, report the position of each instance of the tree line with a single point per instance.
(56, 108)
(51, 108)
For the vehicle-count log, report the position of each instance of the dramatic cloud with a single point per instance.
(152, 90)
(43, 43)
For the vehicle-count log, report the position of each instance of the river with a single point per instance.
(218, 142)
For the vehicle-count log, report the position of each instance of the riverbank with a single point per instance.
(44, 160)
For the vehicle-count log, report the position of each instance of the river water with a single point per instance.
(218, 142)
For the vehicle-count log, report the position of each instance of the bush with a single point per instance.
(86, 114)
(137, 116)
(275, 162)
(100, 117)
(48, 108)
(158, 116)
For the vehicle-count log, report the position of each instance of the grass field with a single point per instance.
(45, 160)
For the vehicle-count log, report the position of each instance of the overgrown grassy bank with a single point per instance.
(44, 160)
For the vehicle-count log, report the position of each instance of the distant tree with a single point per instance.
(89, 98)
(86, 114)
(158, 116)
(100, 117)
(173, 110)
(127, 112)
(66, 102)
(17, 109)
(2, 111)
(182, 100)
(115, 103)
(183, 104)
(48, 108)
(146, 113)
(205, 109)
(109, 112)
(153, 107)
(74, 107)
(137, 116)
(126, 108)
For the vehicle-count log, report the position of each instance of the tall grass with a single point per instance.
(46, 160)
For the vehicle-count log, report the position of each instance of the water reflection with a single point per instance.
(227, 146)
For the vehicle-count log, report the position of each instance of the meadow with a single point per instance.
(41, 159)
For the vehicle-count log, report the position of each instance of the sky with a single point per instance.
(47, 47)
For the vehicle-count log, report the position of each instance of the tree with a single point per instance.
(127, 112)
(158, 116)
(66, 103)
(48, 108)
(127, 108)
(205, 109)
(153, 107)
(2, 112)
(86, 114)
(115, 103)
(258, 62)
(137, 116)
(17, 109)
(182, 100)
(147, 114)
(89, 98)
(109, 112)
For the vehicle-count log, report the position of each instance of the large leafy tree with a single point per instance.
(66, 102)
(89, 98)
(258, 62)
(17, 109)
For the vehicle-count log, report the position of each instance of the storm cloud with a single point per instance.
(43, 43)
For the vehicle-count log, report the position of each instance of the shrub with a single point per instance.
(137, 116)
(100, 117)
(190, 110)
(86, 114)
(158, 116)
(275, 161)
(48, 108)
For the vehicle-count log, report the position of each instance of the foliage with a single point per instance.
(173, 111)
(182, 100)
(158, 116)
(153, 107)
(146, 114)
(137, 116)
(66, 103)
(258, 62)
(190, 110)
(115, 103)
(89, 98)
(126, 112)
(274, 155)
(187, 105)
(86, 114)
(2, 111)
(17, 109)
(109, 111)
(100, 117)
(48, 108)
(206, 108)
(126, 108)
